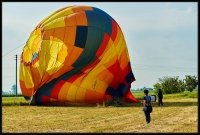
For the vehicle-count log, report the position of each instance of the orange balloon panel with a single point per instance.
(77, 54)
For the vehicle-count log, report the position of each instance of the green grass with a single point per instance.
(11, 101)
(20, 101)
(140, 94)
(185, 94)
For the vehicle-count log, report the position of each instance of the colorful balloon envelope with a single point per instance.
(77, 54)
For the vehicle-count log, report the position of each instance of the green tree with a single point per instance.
(190, 82)
(156, 87)
(181, 86)
(13, 88)
(169, 85)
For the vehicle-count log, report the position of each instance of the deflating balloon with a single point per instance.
(77, 54)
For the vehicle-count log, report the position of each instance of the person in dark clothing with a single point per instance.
(160, 97)
(146, 104)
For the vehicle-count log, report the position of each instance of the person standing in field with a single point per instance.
(147, 106)
(160, 97)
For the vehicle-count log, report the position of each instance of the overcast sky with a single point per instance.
(161, 37)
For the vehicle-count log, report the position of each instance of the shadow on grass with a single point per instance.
(181, 104)
(15, 104)
(48, 105)
(165, 104)
(168, 104)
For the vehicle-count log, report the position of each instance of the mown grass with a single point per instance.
(178, 115)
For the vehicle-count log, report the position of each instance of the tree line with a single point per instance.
(171, 85)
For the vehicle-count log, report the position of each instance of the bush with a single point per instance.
(169, 85)
(190, 82)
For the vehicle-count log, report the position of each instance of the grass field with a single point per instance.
(179, 114)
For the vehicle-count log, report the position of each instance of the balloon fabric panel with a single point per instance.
(77, 54)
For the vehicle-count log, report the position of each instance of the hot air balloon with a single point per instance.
(77, 54)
